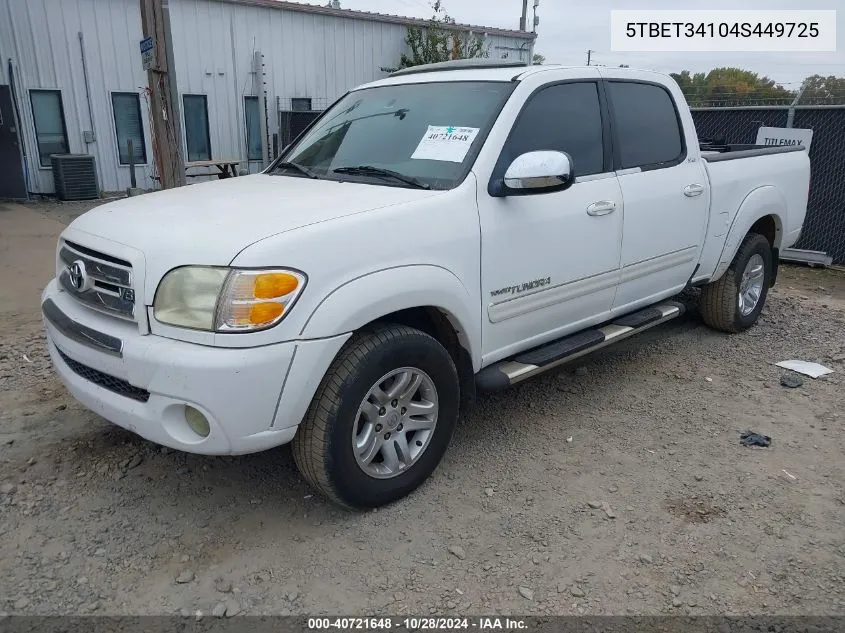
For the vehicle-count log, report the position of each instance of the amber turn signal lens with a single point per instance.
(274, 285)
(263, 313)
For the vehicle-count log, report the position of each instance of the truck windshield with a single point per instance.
(410, 135)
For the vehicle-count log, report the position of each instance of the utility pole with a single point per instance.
(589, 55)
(164, 116)
(523, 21)
(535, 20)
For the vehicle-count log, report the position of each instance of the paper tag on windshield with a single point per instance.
(445, 142)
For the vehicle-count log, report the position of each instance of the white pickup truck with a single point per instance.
(446, 229)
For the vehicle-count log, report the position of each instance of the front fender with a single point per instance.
(760, 203)
(372, 296)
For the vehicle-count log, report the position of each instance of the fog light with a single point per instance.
(197, 421)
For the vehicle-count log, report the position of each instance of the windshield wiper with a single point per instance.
(369, 170)
(296, 167)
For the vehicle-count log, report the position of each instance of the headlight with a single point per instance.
(226, 299)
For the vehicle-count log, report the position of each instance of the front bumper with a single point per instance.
(144, 382)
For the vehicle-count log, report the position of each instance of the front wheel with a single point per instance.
(381, 419)
(733, 303)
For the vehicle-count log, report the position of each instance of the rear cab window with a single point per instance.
(647, 126)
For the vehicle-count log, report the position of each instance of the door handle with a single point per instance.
(602, 207)
(690, 191)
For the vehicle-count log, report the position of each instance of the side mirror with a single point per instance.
(539, 172)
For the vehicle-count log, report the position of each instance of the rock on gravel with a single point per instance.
(577, 592)
(645, 559)
(185, 577)
(233, 608)
(7, 489)
(526, 593)
(219, 610)
(21, 604)
(457, 551)
(223, 586)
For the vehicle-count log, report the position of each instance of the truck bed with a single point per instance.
(775, 177)
(718, 153)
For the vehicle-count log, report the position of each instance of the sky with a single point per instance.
(566, 32)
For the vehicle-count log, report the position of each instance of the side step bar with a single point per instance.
(540, 359)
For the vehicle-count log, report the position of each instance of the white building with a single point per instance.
(76, 76)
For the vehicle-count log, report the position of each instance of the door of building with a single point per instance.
(12, 181)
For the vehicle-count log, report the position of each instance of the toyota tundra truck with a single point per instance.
(451, 228)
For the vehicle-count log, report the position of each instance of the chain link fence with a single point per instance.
(296, 114)
(824, 227)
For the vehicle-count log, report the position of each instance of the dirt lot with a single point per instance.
(615, 487)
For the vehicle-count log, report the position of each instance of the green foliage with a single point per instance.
(823, 90)
(538, 59)
(731, 86)
(440, 41)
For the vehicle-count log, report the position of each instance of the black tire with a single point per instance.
(322, 447)
(719, 301)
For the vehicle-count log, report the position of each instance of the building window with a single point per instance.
(128, 127)
(300, 104)
(253, 128)
(197, 139)
(50, 130)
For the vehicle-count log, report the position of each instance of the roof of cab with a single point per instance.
(480, 73)
(460, 70)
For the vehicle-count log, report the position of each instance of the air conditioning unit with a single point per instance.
(75, 176)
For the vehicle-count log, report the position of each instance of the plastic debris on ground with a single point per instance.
(750, 438)
(813, 370)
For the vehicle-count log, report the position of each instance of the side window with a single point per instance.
(300, 104)
(50, 130)
(566, 118)
(128, 126)
(197, 138)
(253, 128)
(646, 124)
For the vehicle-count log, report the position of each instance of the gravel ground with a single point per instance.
(615, 487)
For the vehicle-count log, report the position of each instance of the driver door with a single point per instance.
(550, 261)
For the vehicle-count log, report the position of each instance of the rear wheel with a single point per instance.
(381, 419)
(733, 303)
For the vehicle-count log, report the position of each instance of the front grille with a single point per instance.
(108, 286)
(115, 385)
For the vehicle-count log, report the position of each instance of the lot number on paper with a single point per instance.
(445, 142)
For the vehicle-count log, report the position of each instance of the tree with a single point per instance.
(440, 41)
(538, 59)
(823, 90)
(731, 86)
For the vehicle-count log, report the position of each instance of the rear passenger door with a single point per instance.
(665, 192)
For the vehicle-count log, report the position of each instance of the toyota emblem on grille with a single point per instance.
(78, 276)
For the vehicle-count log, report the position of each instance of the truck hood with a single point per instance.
(209, 223)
